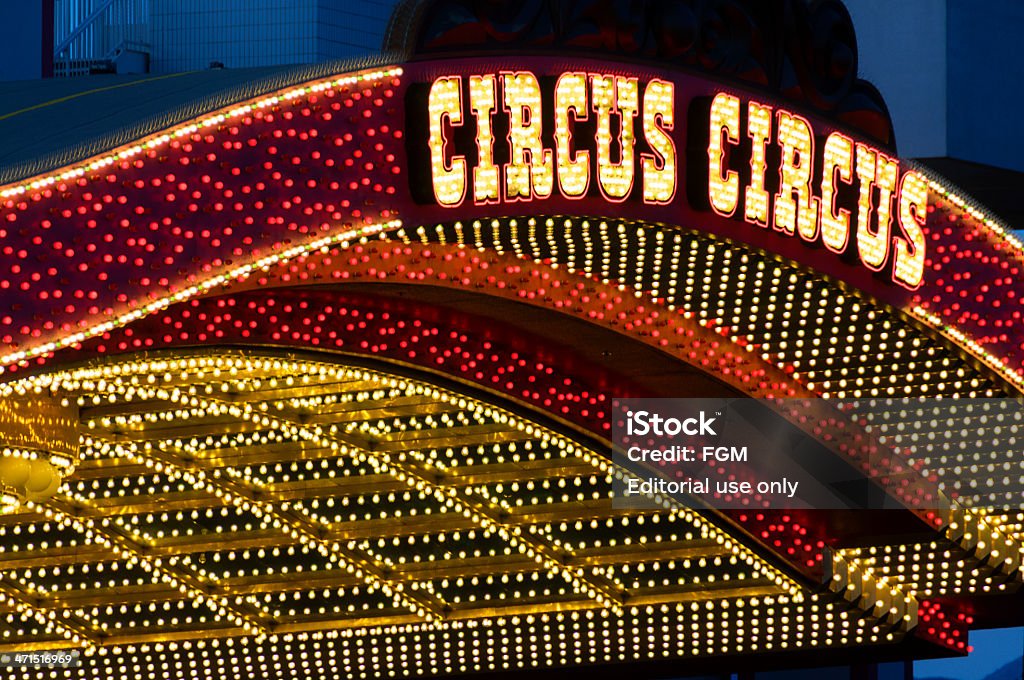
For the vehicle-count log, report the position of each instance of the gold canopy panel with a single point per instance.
(281, 506)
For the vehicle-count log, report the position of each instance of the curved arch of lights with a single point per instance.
(307, 187)
(267, 180)
(299, 319)
(726, 326)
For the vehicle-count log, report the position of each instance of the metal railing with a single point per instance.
(89, 34)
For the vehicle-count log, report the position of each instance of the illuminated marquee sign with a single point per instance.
(509, 136)
(532, 170)
(807, 203)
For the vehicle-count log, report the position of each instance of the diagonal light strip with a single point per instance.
(187, 584)
(303, 532)
(236, 274)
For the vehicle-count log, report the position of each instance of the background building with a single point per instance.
(168, 36)
(950, 72)
(188, 35)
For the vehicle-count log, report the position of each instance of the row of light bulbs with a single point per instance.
(131, 385)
